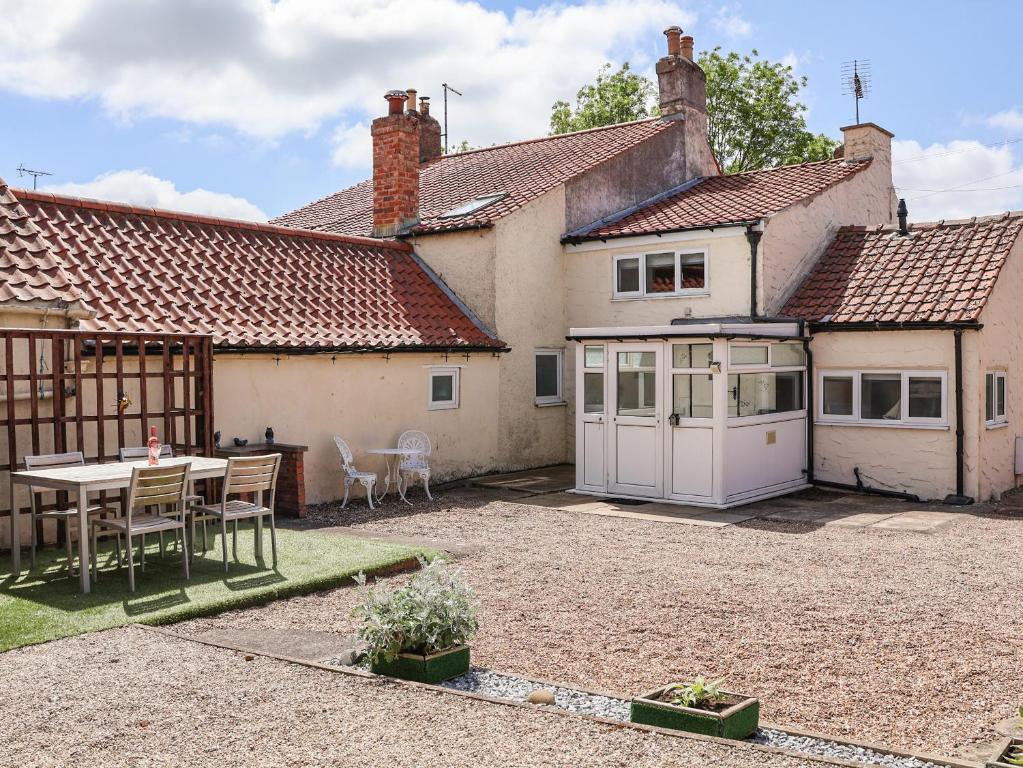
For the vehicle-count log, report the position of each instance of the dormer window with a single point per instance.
(666, 273)
(471, 206)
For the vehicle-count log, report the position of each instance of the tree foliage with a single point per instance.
(756, 118)
(615, 97)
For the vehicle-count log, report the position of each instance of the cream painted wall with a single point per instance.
(531, 315)
(589, 281)
(1001, 349)
(367, 400)
(466, 262)
(919, 461)
(795, 238)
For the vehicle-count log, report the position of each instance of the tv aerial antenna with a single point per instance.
(23, 171)
(856, 81)
(457, 93)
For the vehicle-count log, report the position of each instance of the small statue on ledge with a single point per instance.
(241, 441)
(268, 436)
(216, 439)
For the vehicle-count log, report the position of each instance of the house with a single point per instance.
(315, 334)
(605, 297)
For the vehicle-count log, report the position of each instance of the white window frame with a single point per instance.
(642, 293)
(443, 370)
(857, 419)
(559, 398)
(999, 419)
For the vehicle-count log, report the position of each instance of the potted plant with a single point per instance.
(419, 631)
(698, 706)
(1010, 750)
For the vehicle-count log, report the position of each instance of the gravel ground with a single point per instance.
(909, 640)
(132, 697)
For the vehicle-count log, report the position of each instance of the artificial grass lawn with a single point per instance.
(45, 604)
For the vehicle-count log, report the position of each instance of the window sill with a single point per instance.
(879, 425)
(996, 425)
(659, 296)
(552, 404)
(442, 406)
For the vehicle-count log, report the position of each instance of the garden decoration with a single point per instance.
(698, 706)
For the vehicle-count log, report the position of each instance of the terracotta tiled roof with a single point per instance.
(943, 272)
(719, 200)
(29, 272)
(249, 285)
(521, 171)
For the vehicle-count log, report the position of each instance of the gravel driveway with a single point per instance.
(905, 639)
(84, 700)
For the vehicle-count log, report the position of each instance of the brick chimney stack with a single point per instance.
(680, 81)
(429, 137)
(396, 146)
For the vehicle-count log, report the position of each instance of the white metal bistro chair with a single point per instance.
(251, 474)
(136, 452)
(353, 475)
(416, 464)
(59, 461)
(150, 487)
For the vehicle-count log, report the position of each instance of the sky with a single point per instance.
(251, 108)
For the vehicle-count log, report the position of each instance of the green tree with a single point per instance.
(756, 118)
(615, 97)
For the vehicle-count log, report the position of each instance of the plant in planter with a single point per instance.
(419, 631)
(1010, 751)
(698, 706)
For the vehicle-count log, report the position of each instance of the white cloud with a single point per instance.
(1009, 119)
(353, 147)
(729, 22)
(267, 68)
(979, 179)
(137, 187)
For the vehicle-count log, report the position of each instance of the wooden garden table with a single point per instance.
(80, 481)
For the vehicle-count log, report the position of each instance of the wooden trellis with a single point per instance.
(96, 392)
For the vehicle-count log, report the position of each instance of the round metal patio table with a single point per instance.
(394, 456)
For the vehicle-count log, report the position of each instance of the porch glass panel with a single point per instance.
(760, 394)
(593, 392)
(691, 355)
(693, 395)
(637, 383)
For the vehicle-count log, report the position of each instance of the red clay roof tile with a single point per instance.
(719, 200)
(522, 172)
(249, 285)
(943, 272)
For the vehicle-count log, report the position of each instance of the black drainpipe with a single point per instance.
(810, 410)
(753, 236)
(960, 498)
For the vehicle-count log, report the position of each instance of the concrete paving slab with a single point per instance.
(917, 521)
(855, 519)
(304, 644)
(567, 501)
(807, 514)
(560, 477)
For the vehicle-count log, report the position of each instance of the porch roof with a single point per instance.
(769, 331)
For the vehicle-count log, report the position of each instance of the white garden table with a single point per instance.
(394, 455)
(80, 481)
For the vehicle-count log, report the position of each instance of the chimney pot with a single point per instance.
(395, 102)
(687, 47)
(903, 212)
(674, 35)
(424, 105)
(411, 93)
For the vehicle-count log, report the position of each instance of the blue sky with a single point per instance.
(251, 108)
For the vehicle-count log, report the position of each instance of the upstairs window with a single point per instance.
(669, 273)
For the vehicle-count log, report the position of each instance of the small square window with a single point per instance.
(443, 391)
(994, 398)
(593, 357)
(548, 376)
(627, 276)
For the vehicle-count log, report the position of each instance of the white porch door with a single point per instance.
(635, 405)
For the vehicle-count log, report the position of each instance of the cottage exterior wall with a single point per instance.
(1001, 349)
(909, 459)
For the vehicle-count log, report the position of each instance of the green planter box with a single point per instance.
(434, 668)
(737, 722)
(1004, 747)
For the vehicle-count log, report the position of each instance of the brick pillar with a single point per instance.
(289, 500)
